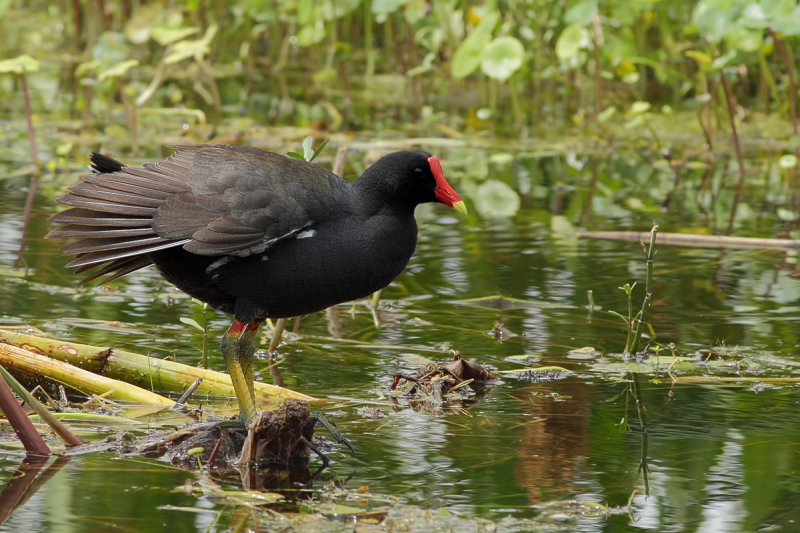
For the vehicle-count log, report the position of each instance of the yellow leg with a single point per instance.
(247, 347)
(238, 346)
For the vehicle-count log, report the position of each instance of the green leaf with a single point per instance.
(467, 56)
(86, 68)
(19, 64)
(295, 155)
(787, 161)
(786, 215)
(715, 18)
(191, 322)
(775, 9)
(789, 25)
(415, 11)
(571, 40)
(494, 198)
(744, 39)
(581, 13)
(307, 146)
(606, 114)
(64, 149)
(118, 70)
(701, 58)
(318, 150)
(4, 4)
(628, 288)
(164, 36)
(502, 57)
(387, 7)
(586, 352)
(753, 16)
(311, 34)
(186, 49)
(723, 60)
(306, 14)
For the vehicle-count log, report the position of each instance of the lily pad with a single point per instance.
(467, 56)
(502, 57)
(571, 40)
(496, 199)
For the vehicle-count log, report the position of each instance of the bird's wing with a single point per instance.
(241, 201)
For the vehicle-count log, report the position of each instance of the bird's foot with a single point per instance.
(337, 435)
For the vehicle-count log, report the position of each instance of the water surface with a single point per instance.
(715, 456)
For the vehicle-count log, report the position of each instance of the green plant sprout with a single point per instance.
(201, 312)
(308, 154)
(634, 322)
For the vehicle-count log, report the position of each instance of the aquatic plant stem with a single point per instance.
(790, 74)
(642, 414)
(738, 148)
(36, 168)
(648, 290)
(630, 319)
(792, 103)
(277, 334)
(28, 436)
(63, 432)
(368, 48)
(29, 120)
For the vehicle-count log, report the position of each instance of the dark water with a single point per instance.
(718, 455)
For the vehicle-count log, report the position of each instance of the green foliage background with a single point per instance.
(535, 67)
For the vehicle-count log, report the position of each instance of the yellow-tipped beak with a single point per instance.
(460, 206)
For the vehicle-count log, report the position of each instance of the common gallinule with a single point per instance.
(252, 233)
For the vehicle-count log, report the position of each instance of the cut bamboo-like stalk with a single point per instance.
(143, 371)
(18, 359)
(687, 239)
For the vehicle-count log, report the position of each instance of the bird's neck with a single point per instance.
(373, 197)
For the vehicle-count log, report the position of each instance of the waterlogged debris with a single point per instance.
(525, 359)
(500, 333)
(712, 355)
(587, 352)
(577, 508)
(713, 365)
(242, 497)
(336, 509)
(273, 454)
(648, 366)
(459, 381)
(542, 374)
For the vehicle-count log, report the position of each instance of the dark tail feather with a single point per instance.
(104, 164)
(114, 270)
(112, 216)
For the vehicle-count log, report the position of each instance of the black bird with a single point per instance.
(252, 233)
